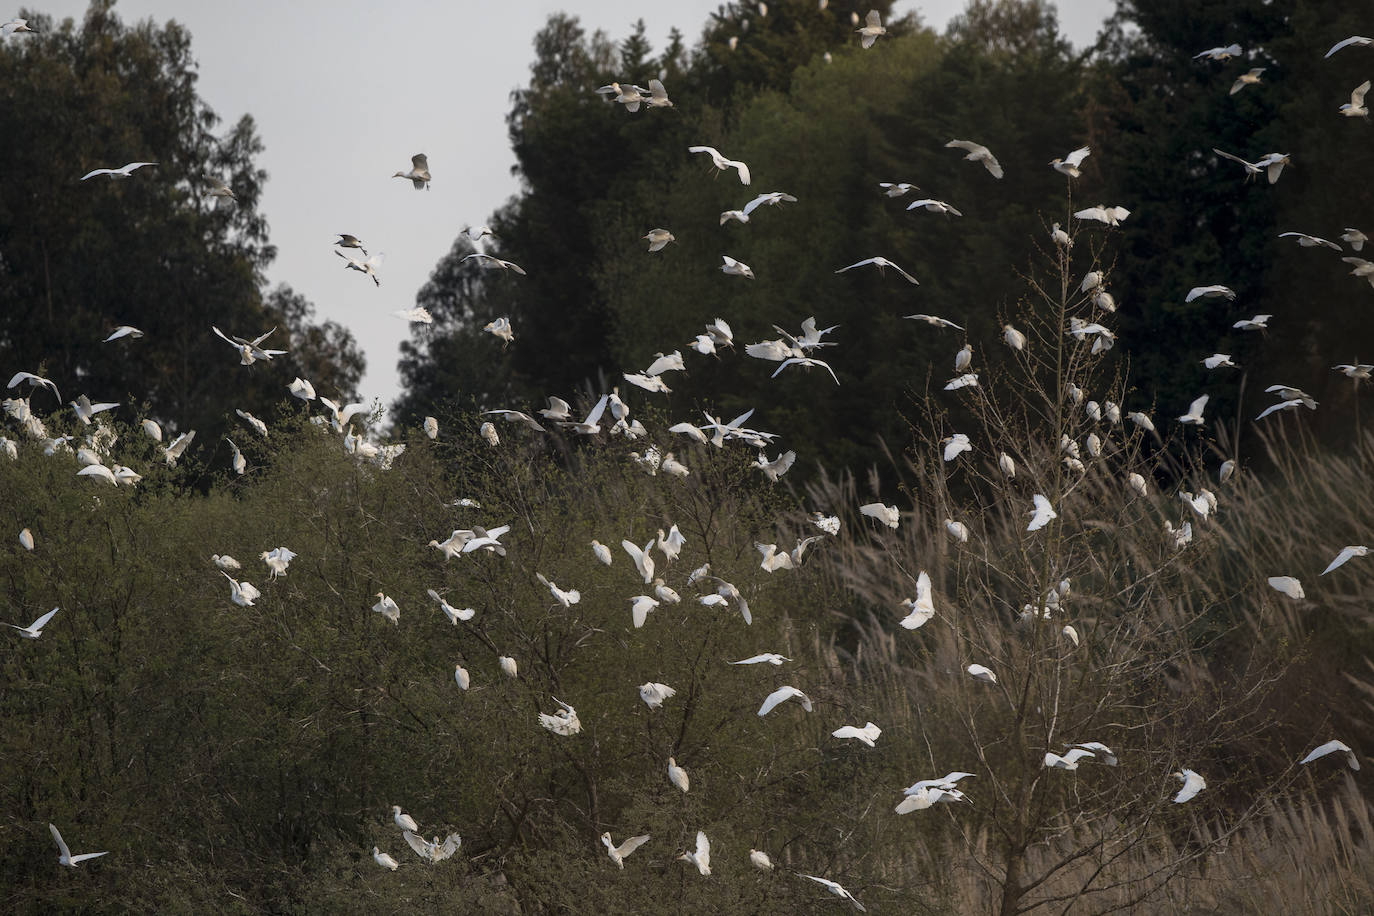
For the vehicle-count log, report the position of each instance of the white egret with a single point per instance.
(64, 855)
(1355, 237)
(490, 262)
(1069, 761)
(781, 695)
(225, 561)
(1070, 634)
(1352, 41)
(982, 673)
(124, 330)
(670, 465)
(868, 734)
(566, 598)
(956, 445)
(1220, 54)
(721, 163)
(978, 153)
(653, 694)
(1200, 292)
(888, 515)
(770, 199)
(921, 608)
(871, 29)
(770, 658)
(1310, 241)
(1258, 323)
(277, 560)
(1219, 361)
(1042, 513)
(461, 676)
(508, 666)
(760, 860)
(249, 350)
(384, 860)
(957, 530)
(677, 775)
(1069, 165)
(1060, 237)
(453, 614)
(431, 427)
(935, 321)
(773, 559)
(242, 593)
(644, 562)
(34, 382)
(419, 171)
(15, 26)
(488, 432)
(124, 171)
(1288, 585)
(701, 857)
(650, 383)
(403, 820)
(257, 425)
(1332, 747)
(433, 852)
(1357, 371)
(1194, 415)
(1111, 216)
(934, 206)
(35, 629)
(100, 471)
(897, 188)
(1363, 268)
(236, 459)
(602, 552)
(618, 853)
(658, 96)
(351, 241)
(367, 267)
(1104, 753)
(564, 722)
(1354, 550)
(640, 606)
(734, 268)
(1192, 785)
(178, 446)
(26, 539)
(1251, 78)
(967, 380)
(1013, 338)
(388, 608)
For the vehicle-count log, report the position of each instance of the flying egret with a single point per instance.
(384, 860)
(897, 188)
(957, 530)
(701, 857)
(1332, 747)
(249, 350)
(1070, 165)
(935, 321)
(1352, 41)
(1194, 415)
(1069, 760)
(124, 171)
(658, 96)
(566, 598)
(1042, 513)
(831, 886)
(658, 239)
(882, 264)
(956, 445)
(888, 515)
(1288, 585)
(35, 629)
(1247, 79)
(257, 425)
(1355, 237)
(1111, 216)
(419, 171)
(770, 658)
(734, 268)
(433, 852)
(1258, 323)
(721, 163)
(388, 608)
(868, 734)
(982, 673)
(1104, 754)
(677, 775)
(1363, 268)
(978, 153)
(653, 694)
(491, 262)
(1310, 241)
(921, 608)
(34, 381)
(871, 29)
(1219, 361)
(350, 241)
(242, 593)
(15, 26)
(783, 694)
(85, 409)
(1354, 550)
(124, 330)
(769, 199)
(618, 853)
(1192, 785)
(452, 613)
(64, 855)
(1220, 54)
(934, 206)
(564, 722)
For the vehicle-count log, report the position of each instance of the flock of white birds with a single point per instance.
(786, 350)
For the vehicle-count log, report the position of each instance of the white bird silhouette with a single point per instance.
(935, 321)
(35, 629)
(882, 264)
(508, 666)
(419, 171)
(64, 855)
(1258, 323)
(564, 722)
(721, 163)
(388, 608)
(1288, 585)
(436, 851)
(403, 820)
(1246, 79)
(982, 673)
(452, 613)
(367, 267)
(871, 29)
(124, 171)
(1013, 338)
(1310, 241)
(417, 315)
(133, 333)
(1220, 54)
(771, 658)
(1070, 164)
(1112, 216)
(888, 515)
(760, 860)
(1352, 41)
(735, 268)
(956, 445)
(14, 26)
(1354, 550)
(677, 775)
(921, 608)
(618, 853)
(1192, 785)
(978, 153)
(831, 886)
(491, 262)
(770, 199)
(868, 734)
(384, 860)
(701, 857)
(644, 562)
(653, 694)
(897, 188)
(1194, 415)
(242, 593)
(658, 239)
(1042, 513)
(351, 241)
(1332, 747)
(783, 694)
(1355, 237)
(249, 350)
(566, 598)
(277, 560)
(934, 206)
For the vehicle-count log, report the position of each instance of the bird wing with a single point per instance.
(41, 622)
(86, 855)
(1076, 157)
(703, 848)
(420, 161)
(1341, 558)
(873, 19)
(1346, 42)
(416, 843)
(776, 697)
(61, 846)
(634, 842)
(1195, 409)
(449, 847)
(1329, 747)
(95, 172)
(1358, 93)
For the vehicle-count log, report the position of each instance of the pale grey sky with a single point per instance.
(344, 92)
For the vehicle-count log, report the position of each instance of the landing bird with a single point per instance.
(436, 851)
(921, 608)
(277, 560)
(85, 409)
(1352, 41)
(871, 29)
(735, 268)
(242, 593)
(452, 613)
(566, 598)
(1332, 747)
(1192, 785)
(934, 206)
(618, 853)
(1199, 292)
(123, 171)
(302, 389)
(1069, 165)
(35, 629)
(721, 163)
(831, 885)
(249, 350)
(882, 264)
(1246, 79)
(1354, 550)
(564, 722)
(500, 327)
(978, 153)
(956, 445)
(643, 560)
(367, 268)
(388, 608)
(701, 857)
(653, 694)
(1194, 415)
(419, 171)
(1042, 513)
(64, 855)
(494, 263)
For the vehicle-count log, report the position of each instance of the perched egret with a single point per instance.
(957, 530)
(384, 860)
(461, 676)
(1013, 338)
(760, 860)
(242, 593)
(508, 666)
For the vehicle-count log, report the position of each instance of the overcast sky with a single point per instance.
(344, 92)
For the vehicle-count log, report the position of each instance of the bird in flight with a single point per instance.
(721, 163)
(124, 171)
(419, 171)
(978, 153)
